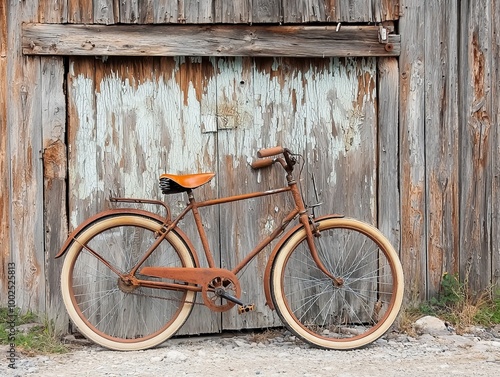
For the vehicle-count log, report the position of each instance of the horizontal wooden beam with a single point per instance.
(203, 40)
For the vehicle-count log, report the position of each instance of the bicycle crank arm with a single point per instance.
(227, 296)
(242, 308)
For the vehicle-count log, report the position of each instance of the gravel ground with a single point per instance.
(277, 353)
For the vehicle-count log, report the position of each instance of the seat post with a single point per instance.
(201, 230)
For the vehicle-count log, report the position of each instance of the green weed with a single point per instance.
(38, 339)
(457, 305)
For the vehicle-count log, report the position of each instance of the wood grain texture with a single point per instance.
(54, 184)
(80, 11)
(495, 143)
(25, 146)
(412, 151)
(166, 12)
(106, 12)
(53, 11)
(389, 215)
(232, 11)
(5, 182)
(441, 140)
(475, 145)
(223, 40)
(217, 11)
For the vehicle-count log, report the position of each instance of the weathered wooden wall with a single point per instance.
(429, 126)
(449, 144)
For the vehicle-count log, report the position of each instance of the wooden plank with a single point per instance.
(341, 128)
(27, 183)
(232, 11)
(80, 11)
(53, 102)
(5, 182)
(475, 145)
(82, 165)
(389, 216)
(166, 11)
(267, 11)
(223, 40)
(53, 11)
(106, 11)
(389, 211)
(197, 12)
(441, 140)
(24, 147)
(129, 11)
(495, 150)
(356, 10)
(146, 11)
(386, 10)
(412, 147)
(300, 11)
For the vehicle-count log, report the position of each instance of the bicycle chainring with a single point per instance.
(212, 291)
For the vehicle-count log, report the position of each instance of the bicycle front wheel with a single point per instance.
(109, 311)
(338, 316)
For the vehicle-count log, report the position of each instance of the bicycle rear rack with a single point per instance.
(142, 201)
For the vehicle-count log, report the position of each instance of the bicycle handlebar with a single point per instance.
(268, 152)
(287, 163)
(259, 164)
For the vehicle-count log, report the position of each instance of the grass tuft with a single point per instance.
(39, 338)
(457, 305)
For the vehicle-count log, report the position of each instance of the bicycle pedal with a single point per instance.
(246, 308)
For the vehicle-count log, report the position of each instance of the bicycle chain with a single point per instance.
(166, 299)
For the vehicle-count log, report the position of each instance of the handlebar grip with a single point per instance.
(259, 164)
(268, 152)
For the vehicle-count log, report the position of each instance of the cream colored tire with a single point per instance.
(105, 310)
(346, 316)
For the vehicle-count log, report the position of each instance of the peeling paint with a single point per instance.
(132, 129)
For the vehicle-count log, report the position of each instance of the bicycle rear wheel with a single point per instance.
(105, 309)
(349, 315)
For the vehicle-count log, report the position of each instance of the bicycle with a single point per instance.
(130, 277)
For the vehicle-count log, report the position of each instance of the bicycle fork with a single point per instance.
(309, 226)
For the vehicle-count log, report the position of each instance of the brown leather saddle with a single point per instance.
(173, 184)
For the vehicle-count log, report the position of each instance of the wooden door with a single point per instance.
(132, 119)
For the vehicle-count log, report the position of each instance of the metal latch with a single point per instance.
(383, 37)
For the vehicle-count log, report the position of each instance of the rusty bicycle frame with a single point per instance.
(347, 308)
(198, 277)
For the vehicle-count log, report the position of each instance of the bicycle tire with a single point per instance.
(347, 316)
(108, 312)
